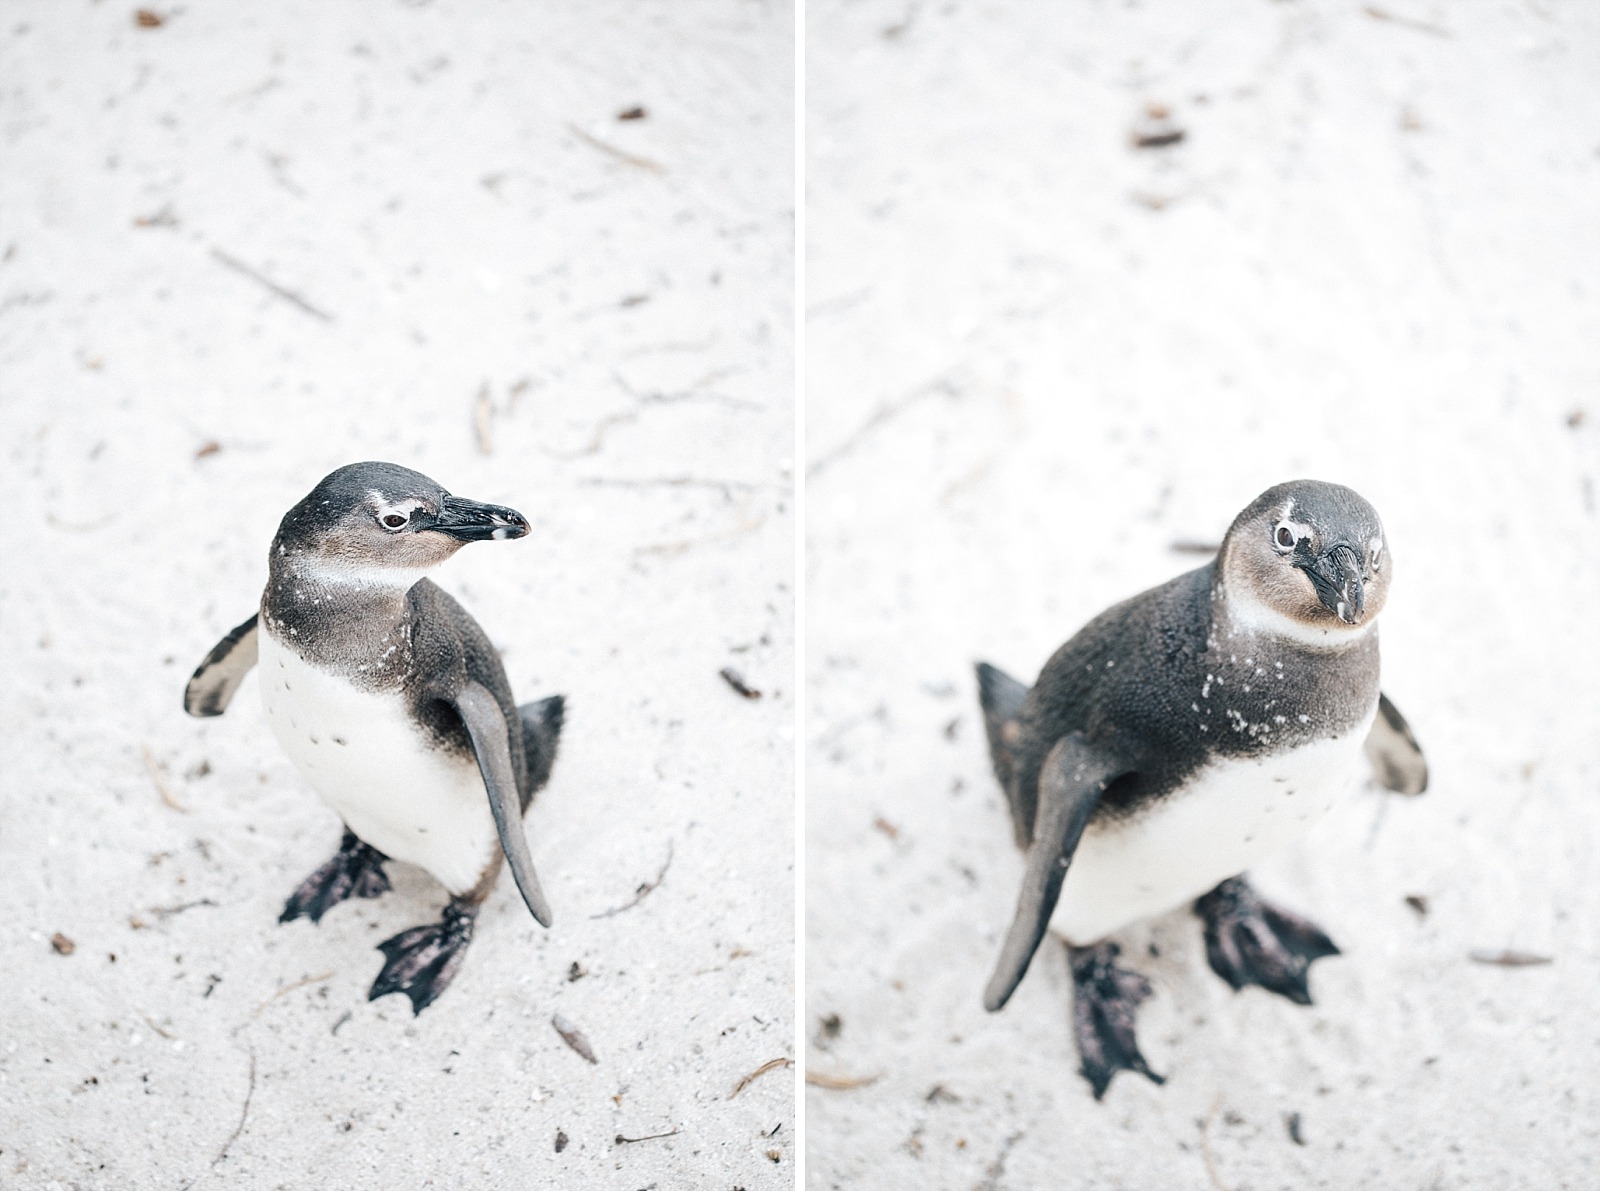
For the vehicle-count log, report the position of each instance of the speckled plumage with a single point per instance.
(1185, 732)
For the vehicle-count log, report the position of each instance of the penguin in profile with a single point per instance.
(1186, 733)
(394, 706)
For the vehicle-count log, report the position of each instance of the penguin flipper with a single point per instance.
(1001, 698)
(486, 724)
(1396, 757)
(541, 734)
(212, 685)
(1074, 777)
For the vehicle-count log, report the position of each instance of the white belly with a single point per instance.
(359, 751)
(1232, 814)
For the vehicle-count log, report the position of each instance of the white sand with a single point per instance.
(419, 173)
(1377, 266)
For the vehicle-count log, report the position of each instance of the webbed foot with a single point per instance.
(1251, 941)
(422, 961)
(356, 870)
(1104, 1000)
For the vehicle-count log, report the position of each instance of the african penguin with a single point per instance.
(1185, 733)
(393, 705)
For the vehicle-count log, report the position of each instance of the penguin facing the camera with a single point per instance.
(1184, 734)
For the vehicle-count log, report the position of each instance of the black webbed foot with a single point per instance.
(1250, 941)
(356, 870)
(422, 961)
(1104, 1000)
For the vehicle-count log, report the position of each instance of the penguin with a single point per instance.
(1182, 735)
(394, 706)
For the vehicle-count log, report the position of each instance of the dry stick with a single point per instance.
(644, 891)
(1205, 1146)
(726, 487)
(238, 1129)
(169, 911)
(161, 785)
(770, 1065)
(151, 1022)
(884, 413)
(1378, 14)
(288, 295)
(621, 1140)
(289, 988)
(1510, 959)
(644, 163)
(839, 1083)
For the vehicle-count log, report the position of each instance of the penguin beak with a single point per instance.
(469, 521)
(1336, 574)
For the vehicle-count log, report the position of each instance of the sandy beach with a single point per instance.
(1039, 358)
(239, 248)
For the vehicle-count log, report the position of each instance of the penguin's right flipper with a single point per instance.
(1396, 757)
(541, 734)
(1001, 698)
(1074, 777)
(218, 677)
(486, 724)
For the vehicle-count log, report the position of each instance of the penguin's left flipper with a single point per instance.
(212, 686)
(485, 721)
(1001, 698)
(1074, 776)
(1396, 757)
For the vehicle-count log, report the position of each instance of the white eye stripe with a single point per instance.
(383, 508)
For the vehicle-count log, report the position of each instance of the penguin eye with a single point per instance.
(394, 520)
(1284, 537)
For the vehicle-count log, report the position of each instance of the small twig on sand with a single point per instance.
(1378, 14)
(769, 1065)
(736, 680)
(151, 1022)
(726, 487)
(1189, 546)
(161, 783)
(261, 1008)
(887, 411)
(839, 1083)
(668, 549)
(642, 892)
(643, 163)
(573, 1037)
(621, 1140)
(1205, 1146)
(288, 295)
(1510, 959)
(238, 1129)
(169, 911)
(997, 1169)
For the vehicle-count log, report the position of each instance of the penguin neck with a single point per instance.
(1238, 612)
(338, 616)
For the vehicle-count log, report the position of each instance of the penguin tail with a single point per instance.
(1001, 698)
(541, 733)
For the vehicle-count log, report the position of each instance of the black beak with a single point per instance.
(473, 522)
(1336, 574)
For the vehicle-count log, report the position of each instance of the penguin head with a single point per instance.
(1312, 552)
(373, 518)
